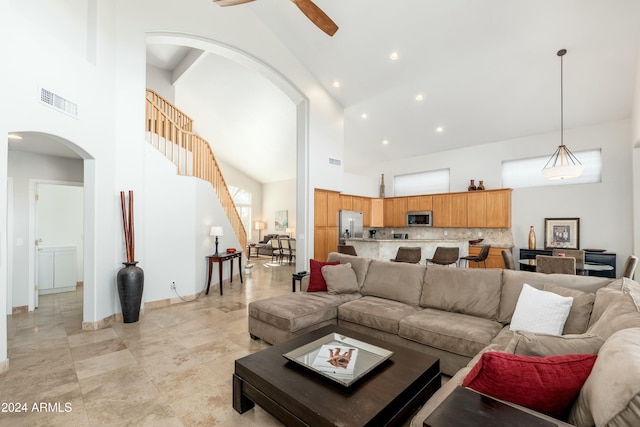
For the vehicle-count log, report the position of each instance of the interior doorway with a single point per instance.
(59, 244)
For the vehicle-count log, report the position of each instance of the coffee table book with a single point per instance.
(364, 357)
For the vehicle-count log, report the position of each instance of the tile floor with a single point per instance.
(172, 368)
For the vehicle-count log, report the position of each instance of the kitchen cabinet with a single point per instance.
(395, 212)
(489, 209)
(325, 236)
(419, 203)
(499, 208)
(346, 202)
(57, 270)
(363, 204)
(377, 213)
(450, 210)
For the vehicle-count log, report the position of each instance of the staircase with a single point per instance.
(170, 131)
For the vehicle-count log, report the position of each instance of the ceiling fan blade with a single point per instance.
(230, 2)
(317, 16)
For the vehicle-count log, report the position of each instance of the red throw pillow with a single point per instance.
(545, 384)
(316, 280)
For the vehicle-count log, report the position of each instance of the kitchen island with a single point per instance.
(386, 249)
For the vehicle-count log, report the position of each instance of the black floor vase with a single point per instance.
(130, 286)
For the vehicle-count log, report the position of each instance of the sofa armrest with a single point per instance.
(304, 283)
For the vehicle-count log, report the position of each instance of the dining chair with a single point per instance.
(276, 249)
(578, 254)
(347, 249)
(445, 256)
(480, 258)
(629, 267)
(555, 264)
(408, 254)
(509, 262)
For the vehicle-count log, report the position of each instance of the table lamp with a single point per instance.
(216, 231)
(291, 231)
(259, 225)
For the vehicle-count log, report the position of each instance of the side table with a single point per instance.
(220, 259)
(255, 247)
(464, 407)
(297, 277)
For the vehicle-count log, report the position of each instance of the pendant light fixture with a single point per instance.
(562, 164)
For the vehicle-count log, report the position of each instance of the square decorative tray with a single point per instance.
(369, 356)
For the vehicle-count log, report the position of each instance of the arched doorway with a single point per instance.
(283, 84)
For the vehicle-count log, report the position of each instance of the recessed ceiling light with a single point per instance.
(419, 97)
(364, 115)
(393, 56)
(14, 136)
(439, 129)
(336, 84)
(385, 142)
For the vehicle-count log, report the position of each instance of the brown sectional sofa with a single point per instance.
(457, 314)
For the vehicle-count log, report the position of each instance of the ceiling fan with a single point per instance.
(309, 8)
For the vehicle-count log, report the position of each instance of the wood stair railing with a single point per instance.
(170, 131)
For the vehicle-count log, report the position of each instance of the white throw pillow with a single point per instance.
(540, 312)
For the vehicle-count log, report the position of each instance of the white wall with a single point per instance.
(160, 81)
(279, 196)
(60, 217)
(24, 167)
(235, 178)
(605, 209)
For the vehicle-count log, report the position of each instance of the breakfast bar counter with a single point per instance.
(386, 249)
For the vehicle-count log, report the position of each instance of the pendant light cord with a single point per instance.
(561, 53)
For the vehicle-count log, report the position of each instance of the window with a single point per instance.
(524, 173)
(429, 182)
(242, 200)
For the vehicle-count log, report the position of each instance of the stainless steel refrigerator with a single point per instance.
(349, 225)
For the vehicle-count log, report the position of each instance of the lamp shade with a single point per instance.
(259, 225)
(216, 231)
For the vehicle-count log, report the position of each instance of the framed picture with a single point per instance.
(282, 220)
(562, 233)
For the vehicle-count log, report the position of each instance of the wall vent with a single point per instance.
(58, 102)
(334, 162)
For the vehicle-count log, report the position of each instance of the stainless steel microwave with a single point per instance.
(419, 218)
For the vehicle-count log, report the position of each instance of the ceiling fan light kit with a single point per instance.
(309, 8)
(563, 164)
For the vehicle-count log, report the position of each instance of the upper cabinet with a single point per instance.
(377, 213)
(489, 209)
(450, 210)
(419, 203)
(395, 212)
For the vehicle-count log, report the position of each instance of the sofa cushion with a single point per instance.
(316, 279)
(545, 384)
(340, 279)
(540, 311)
(376, 313)
(512, 281)
(611, 394)
(578, 319)
(621, 288)
(453, 332)
(359, 264)
(397, 281)
(475, 292)
(299, 310)
(542, 345)
(620, 314)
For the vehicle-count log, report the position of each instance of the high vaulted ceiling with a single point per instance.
(487, 71)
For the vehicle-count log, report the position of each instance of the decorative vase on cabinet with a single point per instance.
(481, 185)
(382, 186)
(532, 238)
(472, 185)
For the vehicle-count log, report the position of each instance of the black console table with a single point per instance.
(605, 258)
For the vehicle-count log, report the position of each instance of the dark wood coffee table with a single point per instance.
(299, 397)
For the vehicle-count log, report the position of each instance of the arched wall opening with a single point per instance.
(302, 119)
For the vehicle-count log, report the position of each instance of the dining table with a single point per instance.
(581, 268)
